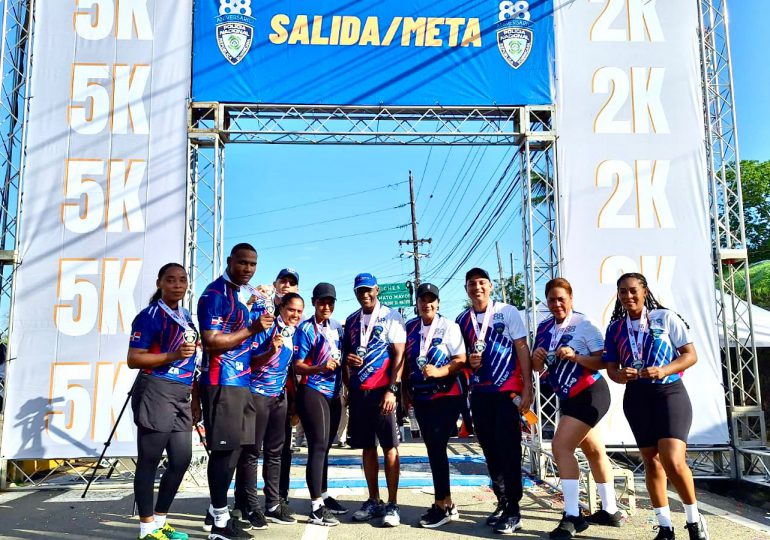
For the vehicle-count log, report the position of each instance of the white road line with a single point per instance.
(315, 532)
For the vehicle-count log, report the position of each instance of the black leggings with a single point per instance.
(320, 418)
(498, 428)
(220, 473)
(437, 418)
(151, 444)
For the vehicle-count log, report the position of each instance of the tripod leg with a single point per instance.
(107, 443)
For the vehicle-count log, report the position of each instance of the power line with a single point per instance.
(324, 221)
(319, 201)
(336, 237)
(424, 170)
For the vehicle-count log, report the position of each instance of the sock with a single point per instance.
(664, 516)
(221, 515)
(571, 490)
(272, 508)
(691, 510)
(160, 521)
(146, 528)
(325, 495)
(315, 504)
(607, 494)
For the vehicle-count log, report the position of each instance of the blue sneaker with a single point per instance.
(370, 509)
(392, 517)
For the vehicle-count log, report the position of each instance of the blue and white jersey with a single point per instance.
(499, 370)
(269, 379)
(567, 378)
(220, 308)
(154, 330)
(313, 346)
(446, 342)
(388, 330)
(665, 335)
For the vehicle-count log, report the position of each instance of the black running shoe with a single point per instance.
(568, 527)
(698, 531)
(257, 519)
(333, 506)
(230, 531)
(665, 533)
(281, 515)
(208, 522)
(241, 519)
(435, 517)
(324, 517)
(508, 523)
(499, 511)
(602, 517)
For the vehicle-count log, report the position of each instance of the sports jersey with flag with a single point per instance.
(154, 330)
(220, 308)
(567, 378)
(313, 347)
(388, 329)
(499, 370)
(446, 342)
(666, 333)
(269, 379)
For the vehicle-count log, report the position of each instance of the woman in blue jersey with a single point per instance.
(271, 352)
(163, 344)
(434, 355)
(568, 351)
(318, 361)
(647, 348)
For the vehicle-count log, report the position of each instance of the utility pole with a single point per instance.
(500, 269)
(415, 241)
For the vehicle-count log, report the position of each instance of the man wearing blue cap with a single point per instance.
(373, 349)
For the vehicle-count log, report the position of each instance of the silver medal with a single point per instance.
(190, 336)
(335, 355)
(361, 351)
(638, 364)
(270, 308)
(287, 331)
(422, 361)
(479, 346)
(550, 359)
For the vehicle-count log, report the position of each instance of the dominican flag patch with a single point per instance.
(216, 321)
(136, 336)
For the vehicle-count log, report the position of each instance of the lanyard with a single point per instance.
(325, 330)
(637, 347)
(426, 339)
(176, 315)
(269, 304)
(482, 332)
(558, 332)
(366, 333)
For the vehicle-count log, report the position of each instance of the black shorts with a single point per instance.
(161, 405)
(657, 411)
(365, 420)
(590, 405)
(229, 416)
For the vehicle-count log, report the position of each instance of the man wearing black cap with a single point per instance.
(318, 362)
(496, 340)
(373, 348)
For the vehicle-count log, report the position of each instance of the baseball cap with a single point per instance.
(477, 272)
(324, 290)
(288, 272)
(427, 288)
(364, 280)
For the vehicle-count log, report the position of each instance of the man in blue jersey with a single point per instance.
(228, 408)
(373, 348)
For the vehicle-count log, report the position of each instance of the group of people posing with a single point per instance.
(260, 359)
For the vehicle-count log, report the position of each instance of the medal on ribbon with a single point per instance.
(426, 338)
(479, 346)
(190, 335)
(637, 347)
(556, 334)
(366, 332)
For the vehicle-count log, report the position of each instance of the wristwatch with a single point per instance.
(393, 388)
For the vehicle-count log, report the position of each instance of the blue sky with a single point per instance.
(358, 230)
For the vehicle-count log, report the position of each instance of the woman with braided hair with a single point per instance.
(648, 347)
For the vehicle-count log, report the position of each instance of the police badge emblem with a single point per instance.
(234, 29)
(515, 43)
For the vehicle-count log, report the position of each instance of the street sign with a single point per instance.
(395, 295)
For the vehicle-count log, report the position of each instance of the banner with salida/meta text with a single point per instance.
(104, 186)
(632, 178)
(369, 52)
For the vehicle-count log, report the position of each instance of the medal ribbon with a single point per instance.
(366, 333)
(325, 330)
(254, 292)
(558, 332)
(481, 333)
(177, 316)
(637, 347)
(425, 339)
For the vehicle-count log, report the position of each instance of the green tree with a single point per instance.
(514, 291)
(755, 184)
(759, 276)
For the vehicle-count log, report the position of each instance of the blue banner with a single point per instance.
(374, 52)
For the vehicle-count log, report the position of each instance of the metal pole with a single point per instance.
(415, 243)
(500, 269)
